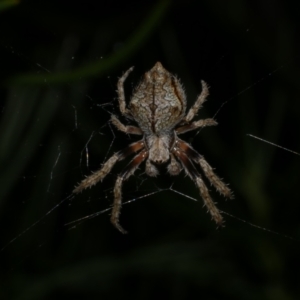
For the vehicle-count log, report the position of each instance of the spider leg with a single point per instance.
(197, 105)
(129, 170)
(196, 177)
(196, 124)
(121, 94)
(127, 129)
(221, 187)
(106, 168)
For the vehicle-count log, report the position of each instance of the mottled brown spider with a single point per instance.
(158, 107)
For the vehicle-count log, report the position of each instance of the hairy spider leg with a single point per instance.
(196, 177)
(128, 171)
(196, 124)
(121, 94)
(108, 165)
(160, 83)
(197, 105)
(129, 129)
(220, 186)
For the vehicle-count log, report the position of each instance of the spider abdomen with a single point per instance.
(158, 103)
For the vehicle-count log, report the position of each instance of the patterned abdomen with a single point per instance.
(158, 103)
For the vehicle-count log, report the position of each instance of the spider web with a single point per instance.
(64, 212)
(135, 194)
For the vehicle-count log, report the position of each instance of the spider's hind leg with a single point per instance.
(121, 94)
(197, 105)
(195, 125)
(129, 129)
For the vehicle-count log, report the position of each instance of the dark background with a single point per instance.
(60, 62)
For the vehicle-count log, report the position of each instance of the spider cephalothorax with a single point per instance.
(158, 106)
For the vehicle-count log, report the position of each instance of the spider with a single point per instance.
(158, 106)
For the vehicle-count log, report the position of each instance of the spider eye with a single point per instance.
(158, 161)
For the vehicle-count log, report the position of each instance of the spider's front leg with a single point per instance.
(108, 165)
(214, 179)
(129, 170)
(196, 177)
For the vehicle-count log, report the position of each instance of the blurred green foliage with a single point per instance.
(6, 4)
(60, 62)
